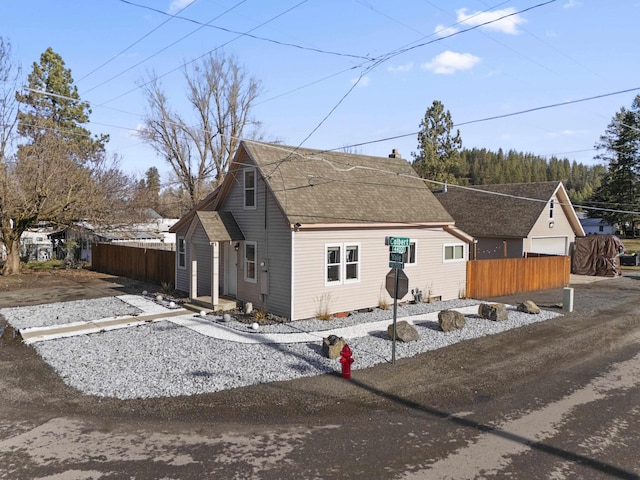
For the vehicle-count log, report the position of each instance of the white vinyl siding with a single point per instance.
(551, 237)
(312, 294)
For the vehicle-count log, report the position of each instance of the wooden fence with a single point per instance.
(146, 264)
(506, 276)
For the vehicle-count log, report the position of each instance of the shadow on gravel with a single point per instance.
(597, 465)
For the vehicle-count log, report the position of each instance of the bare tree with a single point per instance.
(220, 96)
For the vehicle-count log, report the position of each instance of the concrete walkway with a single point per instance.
(154, 312)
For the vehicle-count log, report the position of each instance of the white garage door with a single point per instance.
(549, 245)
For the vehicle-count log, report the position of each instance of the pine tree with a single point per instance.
(438, 156)
(620, 149)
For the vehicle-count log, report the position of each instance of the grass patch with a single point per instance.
(46, 265)
(631, 244)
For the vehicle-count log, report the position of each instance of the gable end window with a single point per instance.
(342, 263)
(182, 253)
(250, 188)
(550, 209)
(250, 255)
(453, 253)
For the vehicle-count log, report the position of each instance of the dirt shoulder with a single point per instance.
(605, 317)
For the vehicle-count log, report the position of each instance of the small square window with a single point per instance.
(453, 252)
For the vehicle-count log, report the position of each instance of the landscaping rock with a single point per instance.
(450, 320)
(528, 307)
(493, 311)
(405, 332)
(332, 346)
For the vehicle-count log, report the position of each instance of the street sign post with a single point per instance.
(397, 284)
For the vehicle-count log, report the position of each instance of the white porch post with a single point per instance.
(193, 284)
(215, 273)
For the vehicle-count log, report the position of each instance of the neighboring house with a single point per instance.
(36, 244)
(597, 226)
(301, 233)
(153, 234)
(514, 220)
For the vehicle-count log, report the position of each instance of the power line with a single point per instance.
(495, 117)
(134, 43)
(246, 34)
(164, 48)
(157, 77)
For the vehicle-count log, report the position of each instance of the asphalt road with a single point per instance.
(558, 400)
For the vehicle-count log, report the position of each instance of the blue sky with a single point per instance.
(562, 51)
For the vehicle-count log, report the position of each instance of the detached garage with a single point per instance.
(514, 220)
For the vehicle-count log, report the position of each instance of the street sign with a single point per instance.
(396, 257)
(396, 265)
(398, 249)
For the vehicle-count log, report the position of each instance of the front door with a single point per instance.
(230, 269)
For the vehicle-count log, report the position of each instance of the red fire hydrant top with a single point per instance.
(346, 360)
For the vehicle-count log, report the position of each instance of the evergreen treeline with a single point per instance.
(479, 166)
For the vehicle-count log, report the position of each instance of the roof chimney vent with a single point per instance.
(394, 154)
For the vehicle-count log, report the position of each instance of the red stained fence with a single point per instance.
(506, 276)
(145, 264)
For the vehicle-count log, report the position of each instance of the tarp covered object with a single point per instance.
(597, 255)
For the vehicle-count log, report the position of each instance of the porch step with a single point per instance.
(201, 304)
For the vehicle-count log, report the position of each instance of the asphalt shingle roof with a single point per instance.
(483, 214)
(315, 186)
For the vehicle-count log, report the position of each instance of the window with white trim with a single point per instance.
(453, 252)
(551, 209)
(409, 255)
(342, 263)
(352, 263)
(182, 253)
(250, 255)
(250, 188)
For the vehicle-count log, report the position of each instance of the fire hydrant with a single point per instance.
(346, 361)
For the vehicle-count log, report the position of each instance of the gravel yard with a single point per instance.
(162, 359)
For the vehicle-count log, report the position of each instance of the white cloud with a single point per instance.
(177, 5)
(407, 67)
(135, 133)
(443, 31)
(506, 25)
(568, 133)
(361, 81)
(572, 3)
(450, 62)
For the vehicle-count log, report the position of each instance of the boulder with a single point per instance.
(332, 346)
(493, 311)
(450, 320)
(528, 307)
(405, 332)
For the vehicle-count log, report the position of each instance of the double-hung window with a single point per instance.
(249, 188)
(182, 253)
(250, 255)
(453, 252)
(342, 263)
